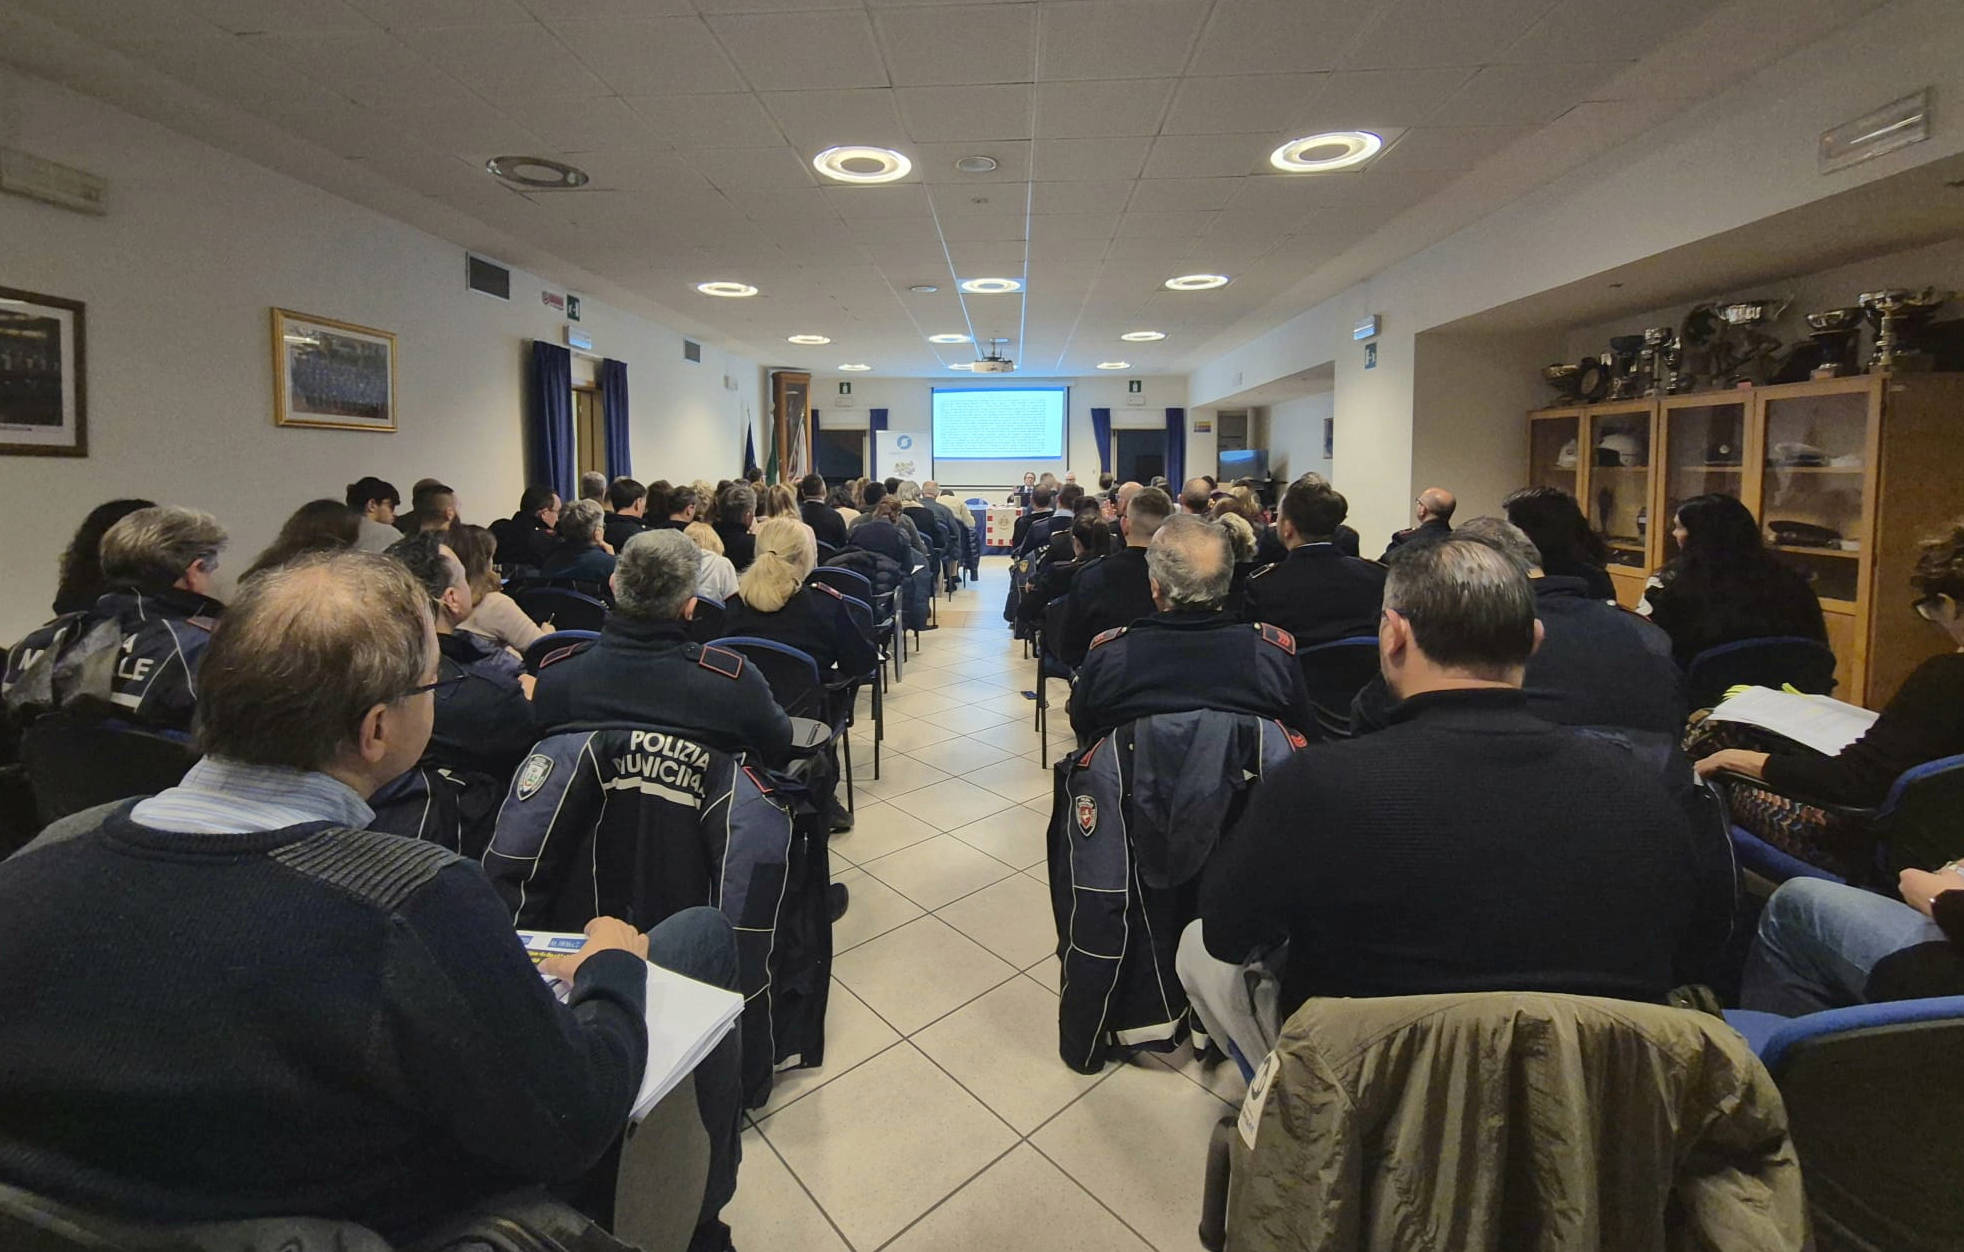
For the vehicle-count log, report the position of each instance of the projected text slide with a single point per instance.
(999, 425)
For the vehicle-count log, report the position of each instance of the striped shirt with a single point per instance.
(220, 797)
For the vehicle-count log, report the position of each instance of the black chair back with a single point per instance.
(1806, 663)
(791, 672)
(560, 607)
(1335, 672)
(1919, 825)
(76, 762)
(847, 582)
(707, 624)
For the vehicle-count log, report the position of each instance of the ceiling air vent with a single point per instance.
(487, 277)
(692, 351)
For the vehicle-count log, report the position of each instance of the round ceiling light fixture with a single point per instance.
(727, 290)
(924, 289)
(1196, 282)
(1143, 336)
(947, 338)
(855, 367)
(531, 171)
(976, 164)
(809, 341)
(991, 286)
(1345, 149)
(961, 365)
(858, 163)
(1114, 365)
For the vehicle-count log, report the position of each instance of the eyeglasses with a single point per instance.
(438, 685)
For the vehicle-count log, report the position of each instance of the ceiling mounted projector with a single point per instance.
(994, 362)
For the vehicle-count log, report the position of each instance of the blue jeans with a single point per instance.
(1819, 940)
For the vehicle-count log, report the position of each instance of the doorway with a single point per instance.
(589, 431)
(1139, 455)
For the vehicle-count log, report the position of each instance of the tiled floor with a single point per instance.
(943, 1117)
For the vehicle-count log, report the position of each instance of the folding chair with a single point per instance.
(76, 762)
(1335, 672)
(799, 689)
(862, 617)
(1049, 666)
(561, 607)
(1915, 827)
(1806, 664)
(707, 624)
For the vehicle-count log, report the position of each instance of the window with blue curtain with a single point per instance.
(551, 442)
(876, 419)
(1176, 448)
(1101, 434)
(613, 410)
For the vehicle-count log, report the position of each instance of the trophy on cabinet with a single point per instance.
(1565, 379)
(1625, 384)
(1700, 332)
(1592, 377)
(1834, 333)
(1744, 349)
(1656, 369)
(1899, 316)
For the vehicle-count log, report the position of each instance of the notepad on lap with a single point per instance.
(685, 1018)
(1822, 723)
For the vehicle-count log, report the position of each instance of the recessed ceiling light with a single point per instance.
(856, 163)
(728, 290)
(991, 286)
(924, 289)
(976, 164)
(961, 365)
(1114, 365)
(855, 367)
(530, 171)
(1196, 282)
(807, 340)
(947, 338)
(1342, 149)
(1143, 336)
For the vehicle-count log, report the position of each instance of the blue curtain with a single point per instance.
(876, 419)
(1101, 434)
(613, 408)
(552, 417)
(1176, 448)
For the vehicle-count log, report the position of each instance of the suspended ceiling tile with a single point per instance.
(590, 125)
(1089, 160)
(1052, 249)
(740, 169)
(1408, 33)
(824, 119)
(1281, 104)
(120, 23)
(1097, 108)
(557, 10)
(1118, 38)
(1082, 197)
(801, 51)
(902, 230)
(1519, 95)
(244, 17)
(1600, 30)
(939, 45)
(1074, 226)
(1172, 195)
(732, 120)
(878, 203)
(966, 113)
(1134, 225)
(1447, 147)
(1209, 156)
(1376, 99)
(772, 6)
(1275, 36)
(430, 14)
(936, 163)
(981, 228)
(651, 56)
(507, 62)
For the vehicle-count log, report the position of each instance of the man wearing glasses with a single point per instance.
(135, 654)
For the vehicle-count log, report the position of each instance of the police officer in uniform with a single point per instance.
(1114, 590)
(1316, 593)
(645, 671)
(1189, 655)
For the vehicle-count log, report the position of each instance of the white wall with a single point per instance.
(179, 278)
(1295, 435)
(908, 402)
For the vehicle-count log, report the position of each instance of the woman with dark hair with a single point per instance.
(1569, 547)
(494, 615)
(81, 565)
(1924, 721)
(1725, 585)
(316, 526)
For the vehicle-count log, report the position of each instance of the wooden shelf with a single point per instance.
(1621, 469)
(1814, 469)
(1623, 545)
(1788, 547)
(1711, 469)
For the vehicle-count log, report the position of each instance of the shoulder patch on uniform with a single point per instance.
(1277, 636)
(531, 776)
(206, 624)
(1106, 636)
(559, 654)
(721, 661)
(1264, 571)
(829, 590)
(384, 870)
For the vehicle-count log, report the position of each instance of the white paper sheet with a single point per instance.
(1822, 723)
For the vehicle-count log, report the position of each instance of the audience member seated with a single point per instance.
(134, 654)
(433, 507)
(628, 504)
(736, 517)
(1923, 721)
(1121, 497)
(774, 602)
(1317, 594)
(525, 538)
(1189, 654)
(1197, 497)
(283, 1013)
(1724, 585)
(316, 526)
(376, 501)
(81, 582)
(1241, 541)
(1022, 494)
(777, 500)
(1451, 852)
(1827, 945)
(1271, 548)
(841, 500)
(593, 486)
(952, 517)
(1569, 546)
(645, 670)
(579, 554)
(1089, 540)
(1432, 514)
(876, 496)
(1597, 665)
(494, 615)
(1036, 518)
(1114, 590)
(678, 509)
(717, 578)
(819, 514)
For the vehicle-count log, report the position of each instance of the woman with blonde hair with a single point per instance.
(774, 602)
(716, 577)
(779, 501)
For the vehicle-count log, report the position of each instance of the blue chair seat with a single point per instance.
(1773, 863)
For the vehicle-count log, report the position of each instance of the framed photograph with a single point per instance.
(43, 376)
(333, 375)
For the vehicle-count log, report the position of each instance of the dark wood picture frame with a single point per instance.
(24, 371)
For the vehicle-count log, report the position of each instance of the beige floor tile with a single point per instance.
(1099, 1140)
(938, 870)
(952, 803)
(919, 972)
(1040, 871)
(853, 1033)
(1015, 778)
(1014, 837)
(1222, 1078)
(1048, 974)
(770, 1209)
(909, 702)
(901, 736)
(976, 692)
(899, 774)
(969, 720)
(1025, 1203)
(875, 909)
(1011, 917)
(1003, 1048)
(959, 756)
(1016, 736)
(882, 1144)
(878, 829)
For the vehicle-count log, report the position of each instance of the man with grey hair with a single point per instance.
(1188, 654)
(135, 653)
(350, 1029)
(1114, 590)
(1469, 846)
(593, 486)
(644, 670)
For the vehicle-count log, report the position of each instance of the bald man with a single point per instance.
(1433, 513)
(1121, 498)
